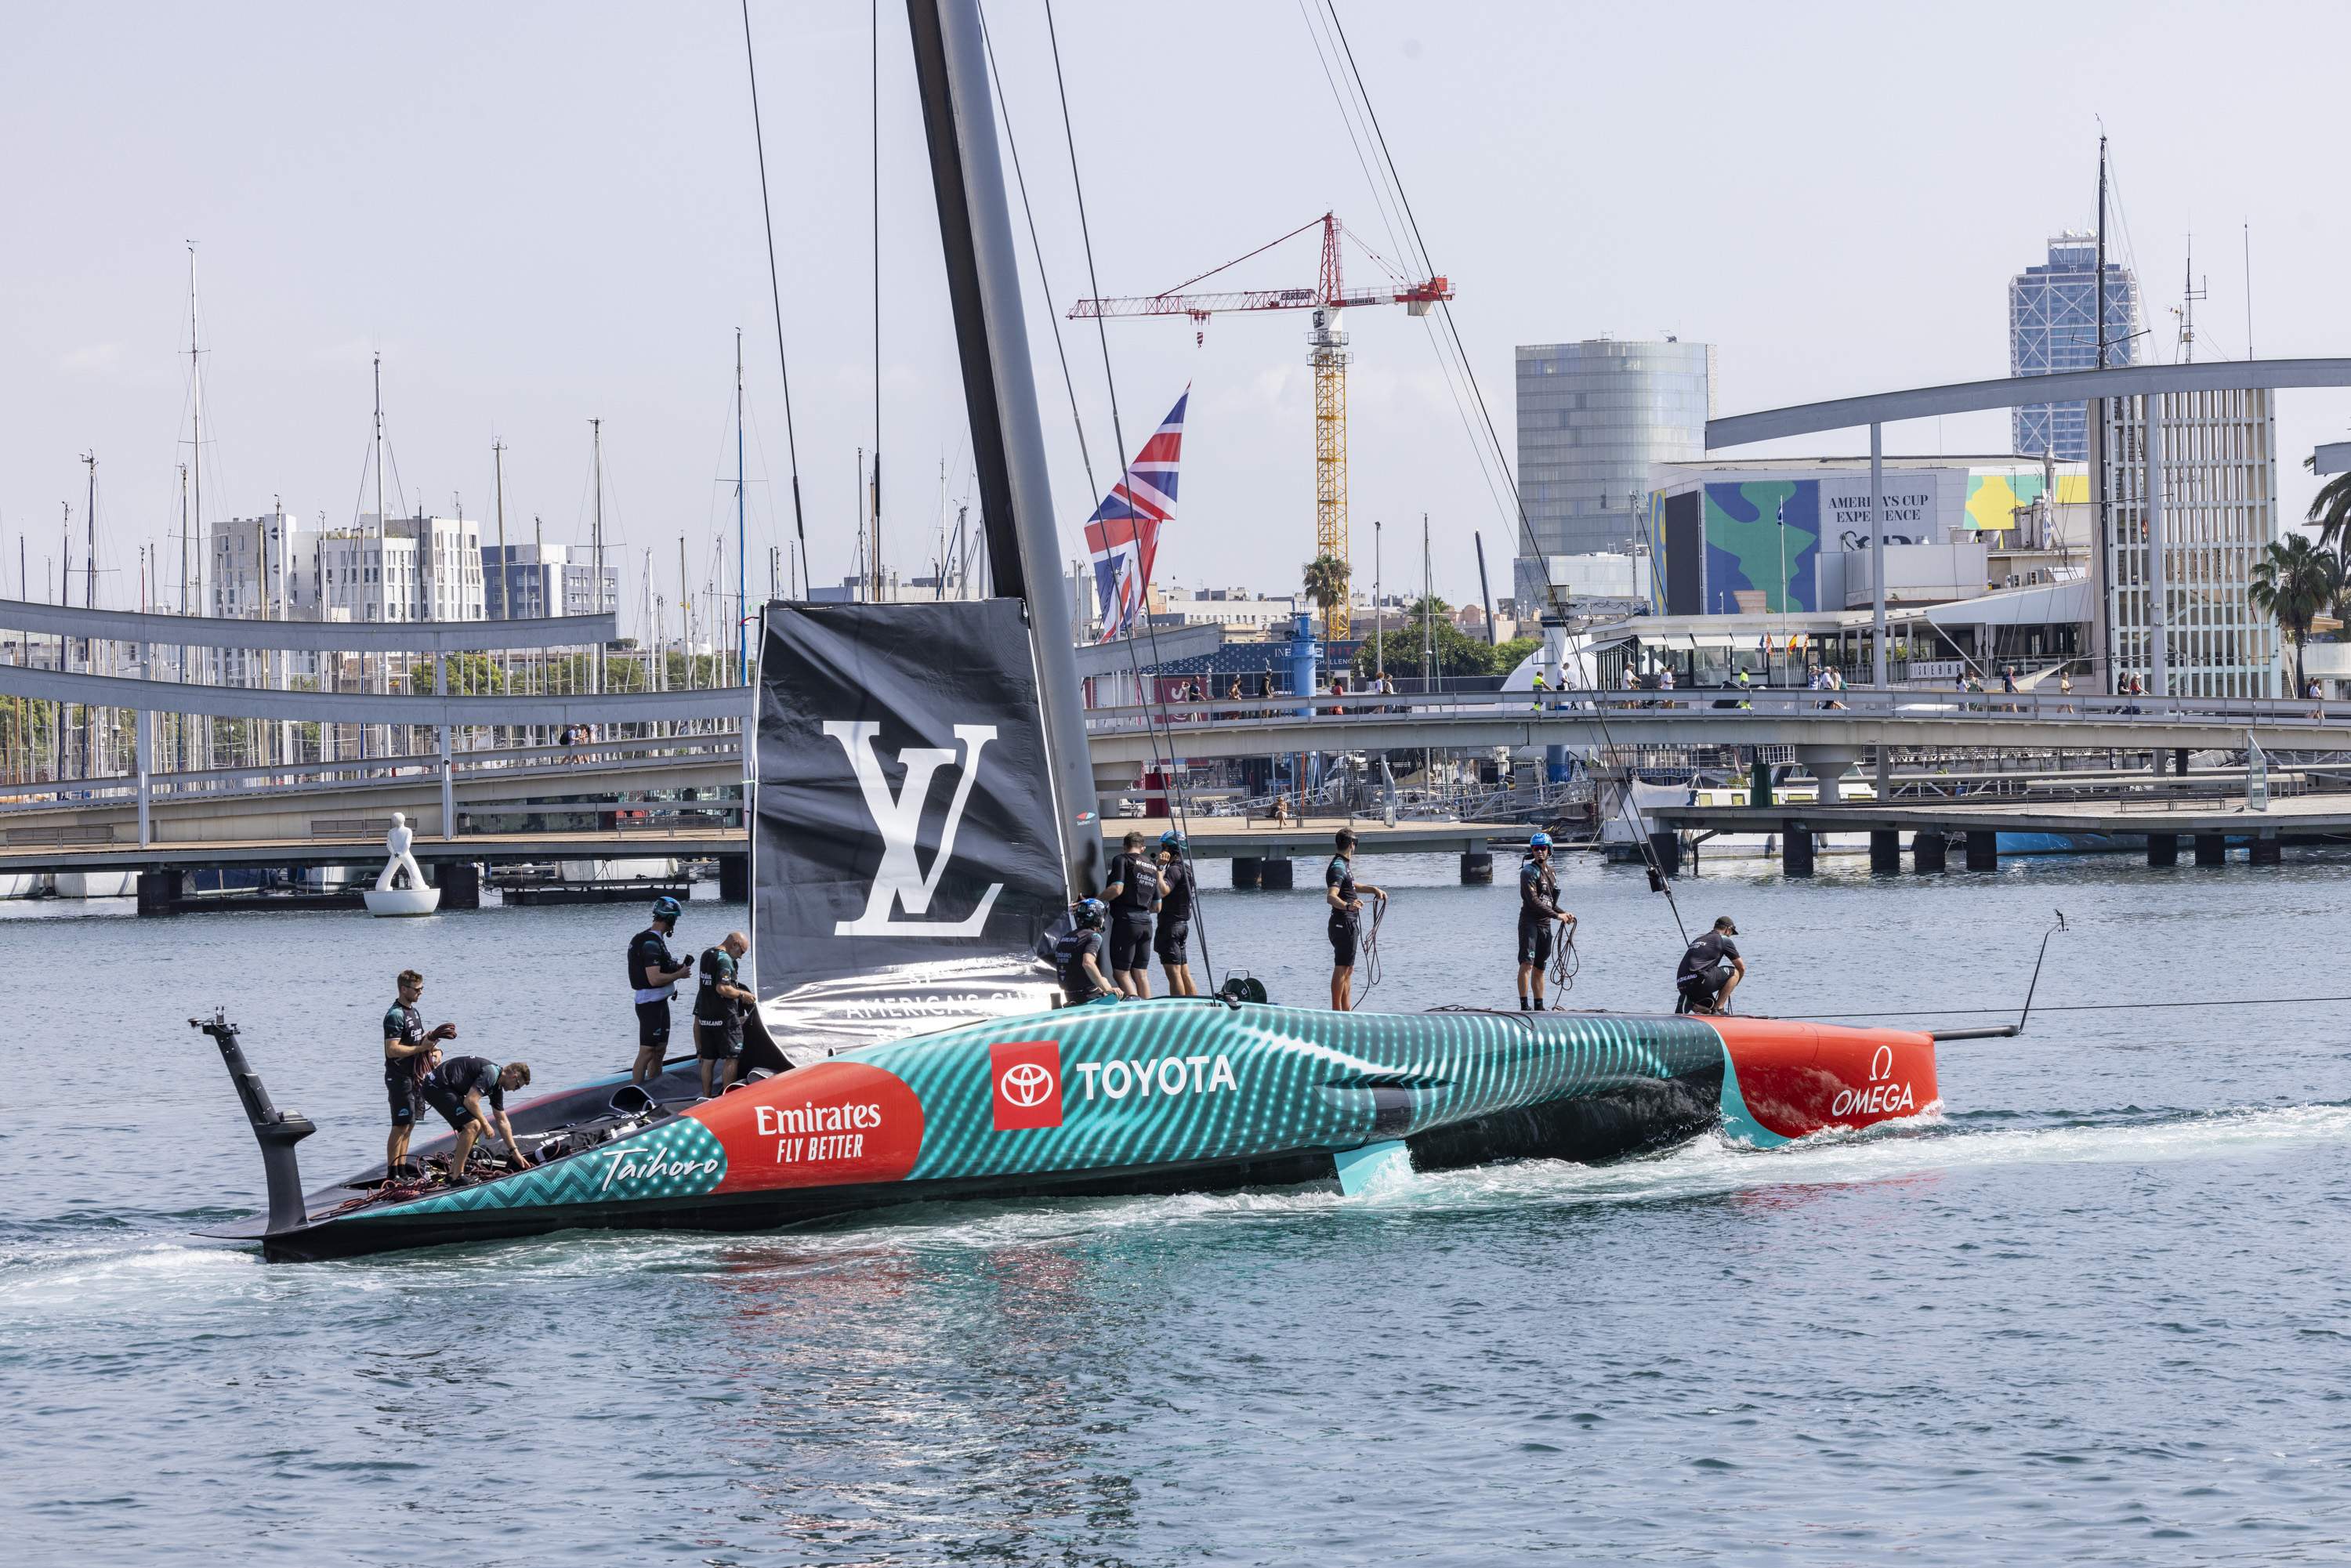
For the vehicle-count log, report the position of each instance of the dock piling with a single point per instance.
(2162, 849)
(1884, 849)
(1797, 850)
(2268, 849)
(1931, 850)
(2212, 849)
(1984, 849)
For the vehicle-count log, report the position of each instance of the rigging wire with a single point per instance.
(774, 292)
(1045, 284)
(2086, 1008)
(1658, 878)
(1146, 699)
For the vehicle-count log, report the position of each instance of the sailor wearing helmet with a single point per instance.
(1077, 955)
(652, 968)
(1540, 920)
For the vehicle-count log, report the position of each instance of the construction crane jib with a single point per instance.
(1326, 341)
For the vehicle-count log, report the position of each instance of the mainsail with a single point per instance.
(904, 866)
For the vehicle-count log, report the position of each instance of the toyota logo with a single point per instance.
(1025, 1084)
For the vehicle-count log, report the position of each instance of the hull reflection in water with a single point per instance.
(1175, 1095)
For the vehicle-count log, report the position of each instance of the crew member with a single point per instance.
(1345, 896)
(1175, 916)
(718, 1008)
(1540, 920)
(653, 970)
(1077, 955)
(1132, 893)
(408, 1053)
(1710, 971)
(456, 1089)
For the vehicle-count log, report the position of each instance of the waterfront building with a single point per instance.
(2183, 533)
(1788, 535)
(261, 568)
(1594, 419)
(523, 582)
(412, 568)
(2052, 324)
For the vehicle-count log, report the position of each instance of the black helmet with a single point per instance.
(1088, 913)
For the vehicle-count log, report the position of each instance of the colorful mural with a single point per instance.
(1762, 537)
(1993, 498)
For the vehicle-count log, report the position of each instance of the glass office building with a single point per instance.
(2052, 324)
(1593, 417)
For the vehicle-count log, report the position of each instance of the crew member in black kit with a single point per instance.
(1077, 956)
(719, 1004)
(653, 970)
(1345, 896)
(1176, 916)
(408, 1053)
(456, 1088)
(1132, 893)
(1541, 922)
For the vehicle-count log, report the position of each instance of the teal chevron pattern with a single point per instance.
(1261, 1080)
(676, 1158)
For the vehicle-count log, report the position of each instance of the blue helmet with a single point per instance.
(1540, 841)
(1172, 840)
(667, 908)
(1088, 913)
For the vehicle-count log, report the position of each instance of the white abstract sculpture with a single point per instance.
(388, 897)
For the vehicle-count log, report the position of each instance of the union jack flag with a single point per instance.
(1122, 535)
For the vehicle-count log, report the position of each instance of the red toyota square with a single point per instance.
(1027, 1074)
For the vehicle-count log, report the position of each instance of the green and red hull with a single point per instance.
(1163, 1096)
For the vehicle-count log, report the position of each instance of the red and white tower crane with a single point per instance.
(1326, 341)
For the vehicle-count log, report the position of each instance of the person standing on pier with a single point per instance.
(1346, 897)
(653, 970)
(1540, 921)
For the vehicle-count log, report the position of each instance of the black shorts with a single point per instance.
(717, 1039)
(1705, 987)
(652, 1026)
(451, 1106)
(1535, 940)
(1129, 940)
(405, 1098)
(1170, 941)
(1343, 932)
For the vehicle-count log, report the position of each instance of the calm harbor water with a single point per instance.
(2096, 1312)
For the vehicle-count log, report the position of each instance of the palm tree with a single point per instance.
(1326, 585)
(2331, 508)
(2292, 582)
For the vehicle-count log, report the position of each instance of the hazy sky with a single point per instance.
(545, 212)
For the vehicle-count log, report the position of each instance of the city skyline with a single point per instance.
(560, 223)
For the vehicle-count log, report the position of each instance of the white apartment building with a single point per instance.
(413, 568)
(262, 568)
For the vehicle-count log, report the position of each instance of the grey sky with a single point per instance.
(542, 213)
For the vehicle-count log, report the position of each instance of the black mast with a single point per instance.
(1008, 440)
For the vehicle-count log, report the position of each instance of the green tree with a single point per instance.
(2292, 582)
(1457, 653)
(2331, 508)
(1326, 585)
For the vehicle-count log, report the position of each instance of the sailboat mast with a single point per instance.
(506, 566)
(596, 549)
(1008, 438)
(742, 539)
(89, 523)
